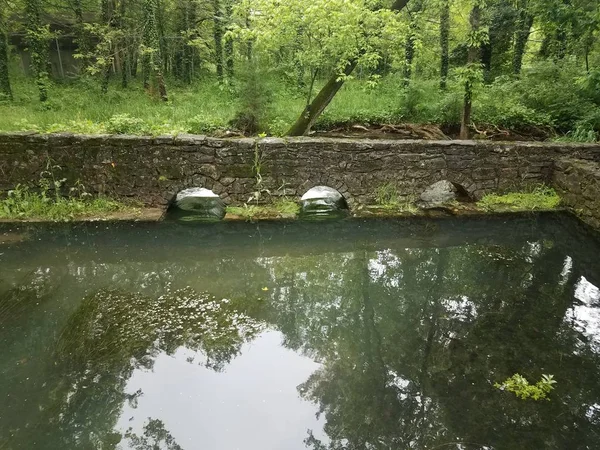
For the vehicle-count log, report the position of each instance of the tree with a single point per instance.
(472, 72)
(151, 52)
(5, 89)
(444, 37)
(36, 36)
(522, 32)
(411, 38)
(218, 37)
(335, 37)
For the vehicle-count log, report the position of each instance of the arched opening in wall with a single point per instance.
(462, 194)
(323, 202)
(196, 204)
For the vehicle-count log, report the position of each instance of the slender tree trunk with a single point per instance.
(160, 29)
(124, 45)
(409, 50)
(153, 64)
(36, 37)
(249, 43)
(409, 54)
(475, 22)
(218, 37)
(81, 36)
(521, 37)
(229, 66)
(487, 49)
(5, 88)
(108, 18)
(311, 113)
(444, 46)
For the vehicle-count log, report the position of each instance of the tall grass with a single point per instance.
(545, 96)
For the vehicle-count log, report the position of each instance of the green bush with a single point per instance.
(125, 124)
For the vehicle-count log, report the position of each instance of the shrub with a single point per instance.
(126, 124)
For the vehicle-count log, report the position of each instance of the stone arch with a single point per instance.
(197, 203)
(465, 186)
(328, 182)
(325, 192)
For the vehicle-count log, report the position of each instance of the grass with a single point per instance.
(208, 107)
(204, 107)
(23, 204)
(536, 198)
(388, 198)
(281, 208)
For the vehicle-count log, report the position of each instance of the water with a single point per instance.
(376, 334)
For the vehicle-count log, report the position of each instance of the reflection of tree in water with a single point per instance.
(411, 342)
(113, 333)
(155, 437)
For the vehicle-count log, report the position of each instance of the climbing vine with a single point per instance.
(37, 37)
(152, 64)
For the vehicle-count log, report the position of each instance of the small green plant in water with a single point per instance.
(518, 385)
(539, 197)
(387, 197)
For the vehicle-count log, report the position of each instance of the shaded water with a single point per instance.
(348, 335)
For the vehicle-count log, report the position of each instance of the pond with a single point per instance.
(356, 334)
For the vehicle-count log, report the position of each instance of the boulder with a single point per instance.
(438, 195)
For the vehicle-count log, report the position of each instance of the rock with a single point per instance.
(438, 195)
(198, 204)
(323, 202)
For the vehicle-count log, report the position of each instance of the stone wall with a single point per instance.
(153, 170)
(578, 183)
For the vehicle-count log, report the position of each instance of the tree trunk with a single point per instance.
(5, 88)
(153, 63)
(249, 43)
(124, 45)
(108, 19)
(409, 50)
(81, 36)
(475, 22)
(409, 54)
(312, 112)
(229, 63)
(218, 37)
(36, 38)
(521, 37)
(486, 60)
(444, 37)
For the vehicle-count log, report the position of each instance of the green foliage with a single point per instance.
(538, 197)
(518, 385)
(125, 124)
(286, 52)
(23, 204)
(255, 100)
(388, 198)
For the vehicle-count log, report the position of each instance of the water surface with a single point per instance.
(378, 334)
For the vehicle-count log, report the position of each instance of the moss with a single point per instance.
(540, 197)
